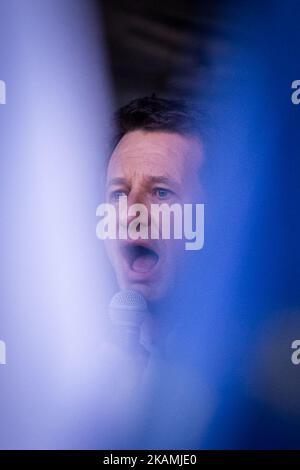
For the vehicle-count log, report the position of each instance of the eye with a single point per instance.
(162, 193)
(115, 195)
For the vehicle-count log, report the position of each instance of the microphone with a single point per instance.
(127, 311)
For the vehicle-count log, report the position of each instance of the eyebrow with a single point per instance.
(152, 179)
(116, 180)
(164, 180)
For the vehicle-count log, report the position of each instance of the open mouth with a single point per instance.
(140, 258)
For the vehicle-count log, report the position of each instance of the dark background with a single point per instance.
(167, 47)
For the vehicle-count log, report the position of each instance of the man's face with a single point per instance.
(152, 168)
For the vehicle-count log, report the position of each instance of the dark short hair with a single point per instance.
(158, 114)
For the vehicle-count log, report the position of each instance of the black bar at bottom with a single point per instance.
(133, 459)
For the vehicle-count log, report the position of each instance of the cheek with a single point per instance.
(110, 248)
(173, 252)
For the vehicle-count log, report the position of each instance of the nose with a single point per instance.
(137, 198)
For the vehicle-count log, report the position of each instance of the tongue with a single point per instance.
(144, 262)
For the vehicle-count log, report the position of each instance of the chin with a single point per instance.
(150, 293)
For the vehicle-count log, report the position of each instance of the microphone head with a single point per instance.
(128, 308)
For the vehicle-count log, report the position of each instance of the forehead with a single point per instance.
(155, 153)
